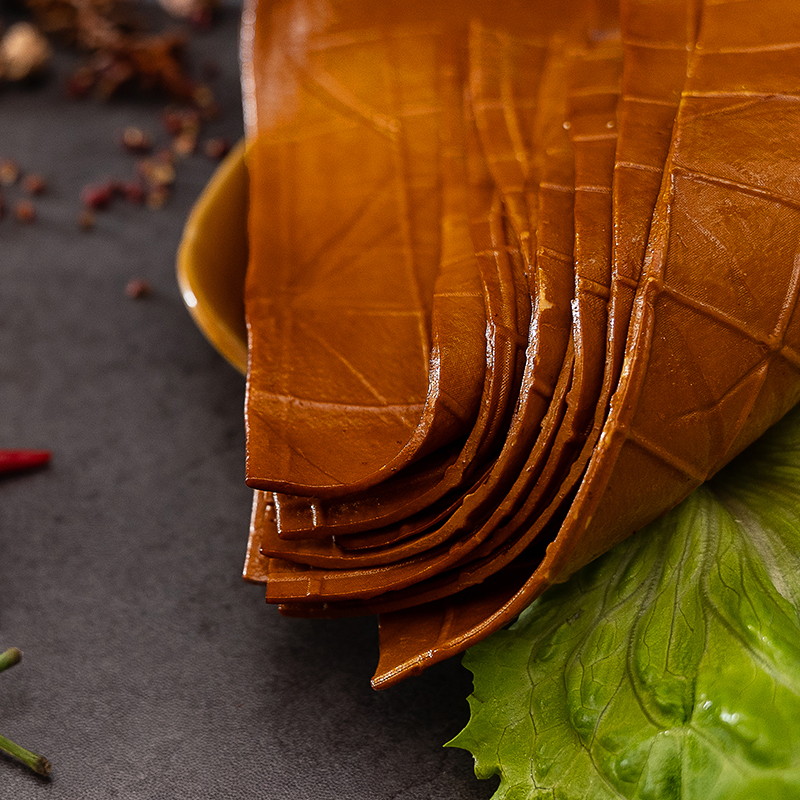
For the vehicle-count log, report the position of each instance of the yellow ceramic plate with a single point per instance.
(212, 259)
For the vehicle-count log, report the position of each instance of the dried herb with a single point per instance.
(34, 761)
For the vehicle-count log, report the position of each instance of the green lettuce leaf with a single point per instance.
(668, 668)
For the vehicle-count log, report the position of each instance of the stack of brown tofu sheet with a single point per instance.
(522, 275)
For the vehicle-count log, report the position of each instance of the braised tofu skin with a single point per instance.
(521, 277)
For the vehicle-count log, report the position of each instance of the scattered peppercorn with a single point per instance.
(157, 172)
(180, 120)
(97, 196)
(25, 212)
(86, 220)
(34, 184)
(24, 52)
(136, 140)
(157, 197)
(9, 172)
(189, 9)
(165, 155)
(133, 192)
(171, 121)
(217, 148)
(119, 57)
(138, 288)
(184, 144)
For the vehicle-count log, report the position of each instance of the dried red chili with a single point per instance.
(18, 460)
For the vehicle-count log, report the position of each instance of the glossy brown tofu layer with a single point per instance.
(522, 276)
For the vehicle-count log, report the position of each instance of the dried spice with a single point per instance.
(86, 220)
(132, 191)
(199, 12)
(97, 196)
(181, 121)
(24, 52)
(138, 288)
(157, 172)
(217, 148)
(203, 98)
(9, 172)
(157, 197)
(135, 140)
(34, 184)
(25, 212)
(19, 460)
(184, 145)
(119, 53)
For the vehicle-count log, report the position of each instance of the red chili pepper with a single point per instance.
(16, 460)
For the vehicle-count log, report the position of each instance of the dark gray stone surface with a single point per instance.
(151, 670)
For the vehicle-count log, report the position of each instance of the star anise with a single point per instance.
(120, 53)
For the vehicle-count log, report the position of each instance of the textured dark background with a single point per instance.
(151, 670)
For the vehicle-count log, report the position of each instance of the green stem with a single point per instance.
(35, 762)
(10, 657)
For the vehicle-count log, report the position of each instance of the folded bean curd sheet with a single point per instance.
(522, 276)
